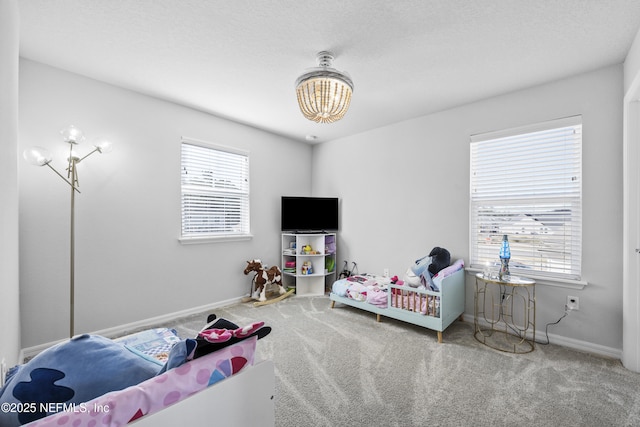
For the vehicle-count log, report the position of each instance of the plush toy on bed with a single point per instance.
(440, 258)
(421, 272)
(217, 334)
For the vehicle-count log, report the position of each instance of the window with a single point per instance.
(527, 183)
(215, 191)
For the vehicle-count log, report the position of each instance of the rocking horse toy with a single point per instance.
(262, 279)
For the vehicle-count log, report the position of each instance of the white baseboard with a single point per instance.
(588, 347)
(579, 345)
(141, 324)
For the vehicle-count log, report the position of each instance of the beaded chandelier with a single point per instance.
(324, 93)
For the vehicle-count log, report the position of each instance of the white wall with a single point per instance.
(407, 193)
(632, 63)
(630, 292)
(404, 189)
(9, 289)
(129, 263)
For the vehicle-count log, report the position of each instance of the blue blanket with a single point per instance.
(67, 374)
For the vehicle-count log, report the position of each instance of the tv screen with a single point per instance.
(307, 214)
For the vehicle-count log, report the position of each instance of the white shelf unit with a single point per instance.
(323, 255)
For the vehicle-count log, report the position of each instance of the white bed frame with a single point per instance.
(452, 295)
(245, 399)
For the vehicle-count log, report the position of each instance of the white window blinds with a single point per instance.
(527, 183)
(215, 191)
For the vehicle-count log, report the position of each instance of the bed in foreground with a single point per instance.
(212, 381)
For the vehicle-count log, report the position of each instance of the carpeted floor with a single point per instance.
(339, 367)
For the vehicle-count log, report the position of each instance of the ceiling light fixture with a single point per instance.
(324, 93)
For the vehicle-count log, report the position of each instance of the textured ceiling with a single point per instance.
(239, 59)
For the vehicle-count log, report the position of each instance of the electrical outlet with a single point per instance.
(573, 303)
(385, 272)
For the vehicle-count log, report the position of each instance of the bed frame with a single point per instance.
(451, 306)
(244, 399)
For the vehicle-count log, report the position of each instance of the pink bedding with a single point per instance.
(411, 300)
(375, 290)
(121, 407)
(371, 289)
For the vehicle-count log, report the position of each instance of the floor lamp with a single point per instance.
(41, 157)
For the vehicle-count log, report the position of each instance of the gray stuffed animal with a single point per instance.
(440, 258)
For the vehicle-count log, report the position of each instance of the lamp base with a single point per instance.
(504, 268)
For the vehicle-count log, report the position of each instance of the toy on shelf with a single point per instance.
(308, 250)
(306, 268)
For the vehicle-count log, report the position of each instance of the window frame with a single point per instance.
(197, 238)
(476, 261)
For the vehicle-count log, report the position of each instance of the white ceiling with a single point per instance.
(239, 59)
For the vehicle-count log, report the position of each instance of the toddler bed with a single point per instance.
(212, 382)
(432, 309)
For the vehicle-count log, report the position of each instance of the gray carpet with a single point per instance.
(339, 367)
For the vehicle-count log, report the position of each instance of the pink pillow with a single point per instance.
(459, 264)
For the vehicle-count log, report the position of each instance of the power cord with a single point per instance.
(518, 333)
(546, 328)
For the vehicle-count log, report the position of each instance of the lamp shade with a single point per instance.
(324, 93)
(72, 135)
(103, 145)
(37, 156)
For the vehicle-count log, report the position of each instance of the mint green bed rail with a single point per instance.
(450, 307)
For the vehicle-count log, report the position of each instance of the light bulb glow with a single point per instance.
(72, 135)
(103, 145)
(37, 156)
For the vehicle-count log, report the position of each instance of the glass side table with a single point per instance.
(505, 313)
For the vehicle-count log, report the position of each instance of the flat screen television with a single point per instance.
(309, 214)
